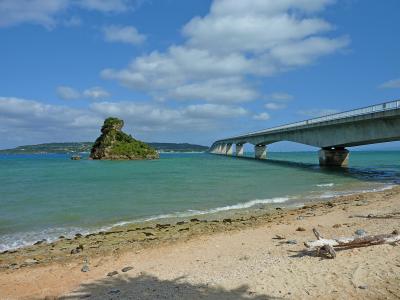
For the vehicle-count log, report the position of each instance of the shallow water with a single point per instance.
(44, 196)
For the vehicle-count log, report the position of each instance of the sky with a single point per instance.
(190, 71)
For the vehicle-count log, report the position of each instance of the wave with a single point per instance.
(325, 185)
(191, 213)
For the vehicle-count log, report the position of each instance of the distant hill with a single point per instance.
(62, 148)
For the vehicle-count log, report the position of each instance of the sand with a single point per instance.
(236, 259)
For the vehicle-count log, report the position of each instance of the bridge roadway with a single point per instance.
(332, 134)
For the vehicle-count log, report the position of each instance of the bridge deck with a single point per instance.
(383, 107)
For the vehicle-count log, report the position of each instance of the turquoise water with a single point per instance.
(45, 196)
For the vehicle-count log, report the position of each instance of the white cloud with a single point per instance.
(74, 21)
(108, 6)
(275, 106)
(280, 96)
(207, 111)
(68, 93)
(46, 12)
(236, 39)
(96, 93)
(215, 90)
(93, 93)
(25, 121)
(123, 34)
(261, 116)
(313, 113)
(391, 84)
(14, 12)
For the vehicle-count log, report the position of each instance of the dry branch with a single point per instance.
(327, 247)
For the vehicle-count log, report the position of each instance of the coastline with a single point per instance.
(21, 269)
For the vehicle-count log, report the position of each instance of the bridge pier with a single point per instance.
(338, 157)
(223, 149)
(239, 149)
(229, 149)
(260, 151)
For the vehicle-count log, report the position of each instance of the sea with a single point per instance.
(45, 196)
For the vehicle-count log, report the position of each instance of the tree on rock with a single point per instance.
(113, 144)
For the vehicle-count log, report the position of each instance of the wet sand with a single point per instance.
(235, 257)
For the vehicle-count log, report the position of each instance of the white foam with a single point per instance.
(190, 212)
(325, 185)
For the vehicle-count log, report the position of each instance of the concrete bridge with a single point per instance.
(332, 134)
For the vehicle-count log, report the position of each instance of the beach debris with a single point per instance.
(360, 232)
(75, 157)
(194, 220)
(180, 223)
(148, 233)
(337, 226)
(300, 229)
(126, 269)
(78, 235)
(328, 247)
(85, 268)
(114, 291)
(300, 218)
(279, 237)
(113, 273)
(227, 220)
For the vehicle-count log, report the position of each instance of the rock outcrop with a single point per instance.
(113, 144)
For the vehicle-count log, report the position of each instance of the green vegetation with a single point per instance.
(56, 148)
(115, 144)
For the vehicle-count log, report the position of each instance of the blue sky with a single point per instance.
(190, 71)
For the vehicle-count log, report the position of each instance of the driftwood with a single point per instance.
(393, 215)
(327, 247)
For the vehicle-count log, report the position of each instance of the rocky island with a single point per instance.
(113, 144)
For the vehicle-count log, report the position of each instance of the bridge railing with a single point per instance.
(352, 113)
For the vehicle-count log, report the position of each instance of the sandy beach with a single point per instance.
(233, 258)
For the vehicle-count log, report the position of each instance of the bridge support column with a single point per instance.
(229, 149)
(338, 157)
(239, 149)
(223, 149)
(260, 151)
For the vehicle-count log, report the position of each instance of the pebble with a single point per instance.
(30, 261)
(291, 242)
(363, 287)
(126, 269)
(40, 242)
(300, 229)
(360, 232)
(279, 237)
(113, 273)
